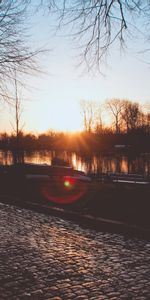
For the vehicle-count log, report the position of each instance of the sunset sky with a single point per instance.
(53, 99)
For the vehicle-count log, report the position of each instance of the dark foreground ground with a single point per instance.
(126, 202)
(44, 257)
(123, 202)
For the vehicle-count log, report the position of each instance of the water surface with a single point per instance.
(95, 163)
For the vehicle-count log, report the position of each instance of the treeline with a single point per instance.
(124, 116)
(129, 130)
(106, 140)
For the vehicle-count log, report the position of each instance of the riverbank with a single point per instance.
(125, 202)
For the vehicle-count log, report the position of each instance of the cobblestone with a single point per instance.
(44, 257)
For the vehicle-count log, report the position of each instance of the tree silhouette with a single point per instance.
(15, 53)
(88, 111)
(115, 106)
(131, 115)
(16, 125)
(99, 24)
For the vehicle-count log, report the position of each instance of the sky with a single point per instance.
(51, 99)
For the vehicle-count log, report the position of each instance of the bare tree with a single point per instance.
(115, 106)
(99, 118)
(96, 25)
(88, 111)
(132, 115)
(99, 24)
(17, 124)
(15, 54)
(18, 111)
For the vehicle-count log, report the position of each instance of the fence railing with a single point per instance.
(121, 177)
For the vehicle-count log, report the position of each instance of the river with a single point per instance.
(95, 163)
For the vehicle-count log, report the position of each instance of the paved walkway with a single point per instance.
(43, 257)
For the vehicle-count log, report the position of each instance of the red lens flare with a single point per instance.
(65, 190)
(69, 182)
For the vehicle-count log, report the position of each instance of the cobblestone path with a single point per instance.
(44, 257)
